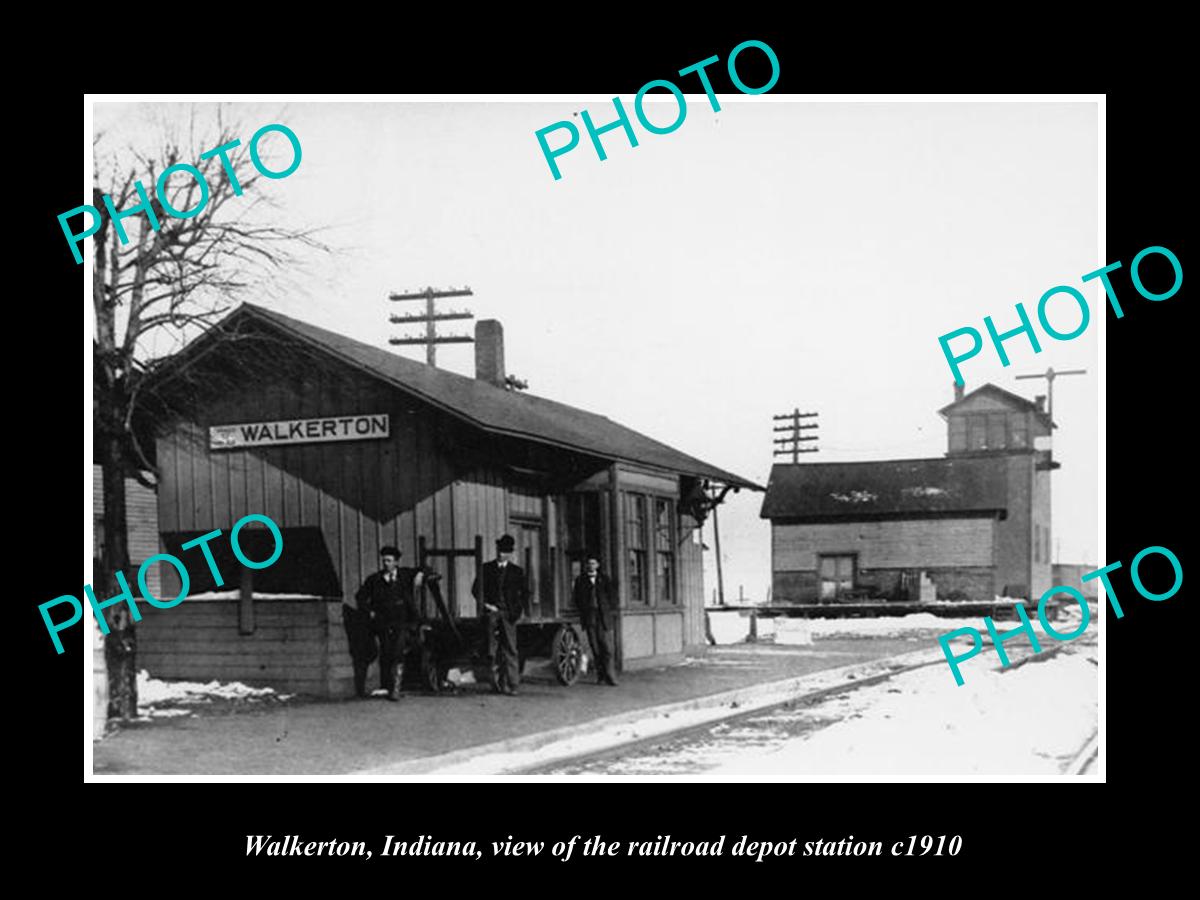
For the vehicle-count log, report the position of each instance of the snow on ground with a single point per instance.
(890, 626)
(236, 594)
(734, 628)
(1029, 720)
(728, 627)
(1065, 621)
(460, 677)
(162, 699)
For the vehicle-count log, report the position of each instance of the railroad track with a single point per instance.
(706, 729)
(1088, 752)
(682, 734)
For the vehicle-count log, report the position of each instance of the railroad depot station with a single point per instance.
(349, 447)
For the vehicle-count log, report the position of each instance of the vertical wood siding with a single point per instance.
(359, 495)
(691, 583)
(352, 497)
(141, 517)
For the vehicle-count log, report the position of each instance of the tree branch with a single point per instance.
(181, 278)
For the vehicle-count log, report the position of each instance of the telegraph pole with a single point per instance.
(1050, 375)
(717, 541)
(430, 319)
(792, 444)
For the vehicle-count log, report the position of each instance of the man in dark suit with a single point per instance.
(389, 597)
(595, 597)
(504, 592)
(361, 638)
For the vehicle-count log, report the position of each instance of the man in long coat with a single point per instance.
(503, 590)
(389, 597)
(595, 597)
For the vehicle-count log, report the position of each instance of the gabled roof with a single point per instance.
(1014, 400)
(885, 489)
(492, 408)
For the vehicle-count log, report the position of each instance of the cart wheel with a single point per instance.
(566, 652)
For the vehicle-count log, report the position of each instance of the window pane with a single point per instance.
(636, 506)
(1020, 431)
(976, 432)
(958, 433)
(637, 576)
(997, 426)
(828, 566)
(664, 582)
(662, 524)
(636, 527)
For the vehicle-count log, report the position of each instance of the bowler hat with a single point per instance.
(505, 544)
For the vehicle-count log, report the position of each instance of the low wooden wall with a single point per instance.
(651, 638)
(296, 646)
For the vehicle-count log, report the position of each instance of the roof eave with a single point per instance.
(777, 518)
(248, 309)
(1042, 415)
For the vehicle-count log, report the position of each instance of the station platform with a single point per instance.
(321, 737)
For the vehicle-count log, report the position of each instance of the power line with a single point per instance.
(430, 319)
(791, 445)
(1050, 375)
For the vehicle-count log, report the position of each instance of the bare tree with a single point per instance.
(151, 294)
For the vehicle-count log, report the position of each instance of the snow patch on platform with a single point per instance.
(164, 699)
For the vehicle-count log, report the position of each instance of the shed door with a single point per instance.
(837, 575)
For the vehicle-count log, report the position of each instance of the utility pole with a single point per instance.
(794, 450)
(1050, 375)
(430, 319)
(717, 541)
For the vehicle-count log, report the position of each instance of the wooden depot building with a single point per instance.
(348, 447)
(972, 525)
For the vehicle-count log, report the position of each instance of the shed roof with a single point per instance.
(493, 408)
(891, 488)
(1016, 401)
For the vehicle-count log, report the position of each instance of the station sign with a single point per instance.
(299, 431)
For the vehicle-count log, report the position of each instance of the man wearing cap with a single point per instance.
(389, 599)
(504, 592)
(595, 597)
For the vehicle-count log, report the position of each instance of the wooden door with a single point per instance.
(836, 576)
(530, 557)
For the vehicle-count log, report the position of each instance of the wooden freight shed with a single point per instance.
(969, 526)
(348, 447)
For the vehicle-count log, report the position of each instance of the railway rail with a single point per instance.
(715, 731)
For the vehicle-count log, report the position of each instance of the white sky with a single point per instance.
(772, 255)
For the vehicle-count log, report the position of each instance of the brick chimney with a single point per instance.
(958, 391)
(489, 351)
(1040, 402)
